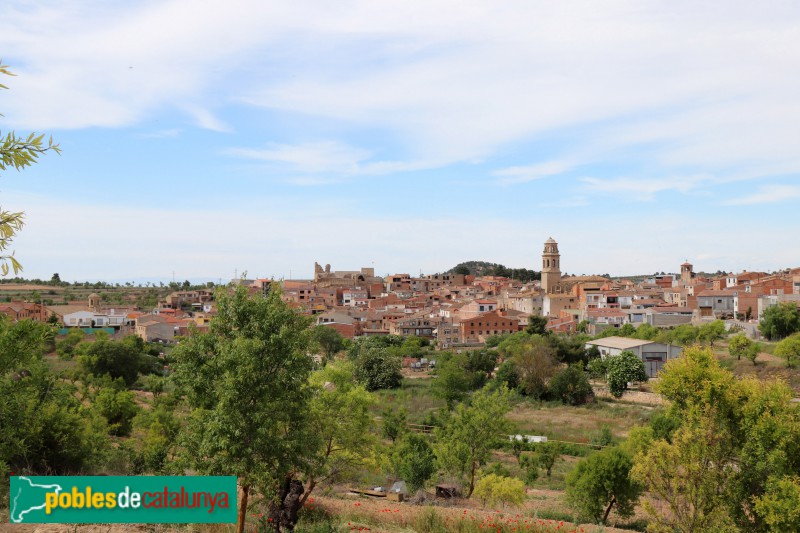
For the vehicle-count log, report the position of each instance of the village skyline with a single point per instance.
(269, 137)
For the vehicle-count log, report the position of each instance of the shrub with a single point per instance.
(494, 489)
(570, 385)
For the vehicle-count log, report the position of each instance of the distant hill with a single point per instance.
(484, 268)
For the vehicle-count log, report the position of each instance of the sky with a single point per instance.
(203, 139)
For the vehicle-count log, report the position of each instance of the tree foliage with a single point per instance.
(533, 358)
(377, 368)
(414, 460)
(246, 381)
(738, 345)
(570, 385)
(712, 331)
(329, 340)
(779, 321)
(17, 152)
(726, 465)
(600, 482)
(789, 349)
(339, 414)
(44, 428)
(467, 438)
(622, 369)
(117, 359)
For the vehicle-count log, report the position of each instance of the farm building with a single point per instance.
(654, 354)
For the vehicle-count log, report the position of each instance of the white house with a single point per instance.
(654, 354)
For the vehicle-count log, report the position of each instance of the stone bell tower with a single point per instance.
(551, 266)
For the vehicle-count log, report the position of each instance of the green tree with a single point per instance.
(779, 321)
(394, 423)
(537, 325)
(17, 152)
(534, 360)
(713, 331)
(414, 461)
(341, 418)
(453, 380)
(738, 345)
(570, 385)
(466, 441)
(691, 476)
(735, 438)
(118, 359)
(246, 382)
(752, 352)
(494, 489)
(547, 454)
(600, 482)
(329, 340)
(461, 269)
(685, 335)
(789, 349)
(598, 368)
(377, 368)
(623, 368)
(118, 408)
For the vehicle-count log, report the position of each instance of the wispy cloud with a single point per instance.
(768, 194)
(311, 157)
(637, 189)
(170, 133)
(524, 174)
(328, 159)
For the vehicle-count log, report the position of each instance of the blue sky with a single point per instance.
(202, 138)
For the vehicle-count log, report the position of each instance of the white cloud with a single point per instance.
(523, 174)
(705, 86)
(768, 194)
(323, 156)
(637, 189)
(330, 159)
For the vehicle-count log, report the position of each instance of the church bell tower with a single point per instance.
(551, 268)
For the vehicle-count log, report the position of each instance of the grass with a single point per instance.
(578, 424)
(414, 395)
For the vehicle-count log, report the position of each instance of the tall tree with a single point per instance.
(466, 441)
(17, 152)
(246, 381)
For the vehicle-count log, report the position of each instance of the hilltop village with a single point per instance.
(456, 310)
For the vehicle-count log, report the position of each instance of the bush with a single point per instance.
(494, 489)
(570, 385)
